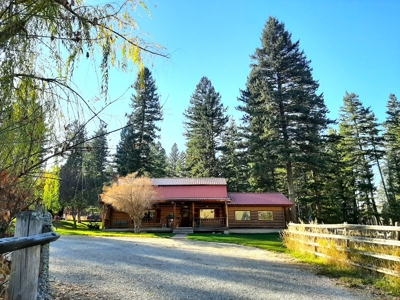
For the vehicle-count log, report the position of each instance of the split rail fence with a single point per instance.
(365, 246)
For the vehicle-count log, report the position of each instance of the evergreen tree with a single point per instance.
(134, 149)
(233, 164)
(283, 112)
(172, 161)
(360, 136)
(159, 161)
(181, 169)
(205, 123)
(391, 209)
(96, 165)
(73, 189)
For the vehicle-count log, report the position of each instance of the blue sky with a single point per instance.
(353, 46)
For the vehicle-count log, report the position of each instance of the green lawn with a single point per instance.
(266, 241)
(67, 228)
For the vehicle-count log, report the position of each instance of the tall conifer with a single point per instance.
(204, 125)
(281, 105)
(391, 209)
(134, 149)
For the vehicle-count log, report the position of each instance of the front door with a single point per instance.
(185, 222)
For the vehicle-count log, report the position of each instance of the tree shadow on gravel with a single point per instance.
(182, 270)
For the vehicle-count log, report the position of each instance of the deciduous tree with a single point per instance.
(131, 195)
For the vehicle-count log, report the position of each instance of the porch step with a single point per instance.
(183, 230)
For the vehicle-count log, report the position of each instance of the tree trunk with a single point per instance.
(136, 226)
(293, 211)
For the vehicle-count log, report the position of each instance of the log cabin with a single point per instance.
(204, 205)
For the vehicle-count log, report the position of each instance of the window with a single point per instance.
(150, 214)
(265, 215)
(242, 215)
(207, 214)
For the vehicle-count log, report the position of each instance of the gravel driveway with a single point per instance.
(146, 268)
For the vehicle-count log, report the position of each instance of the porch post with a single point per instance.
(109, 221)
(173, 222)
(226, 214)
(193, 214)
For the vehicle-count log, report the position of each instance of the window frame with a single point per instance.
(243, 211)
(210, 209)
(269, 212)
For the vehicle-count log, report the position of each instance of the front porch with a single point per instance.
(200, 216)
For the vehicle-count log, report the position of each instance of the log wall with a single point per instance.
(277, 222)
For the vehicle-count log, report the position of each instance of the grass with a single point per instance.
(348, 275)
(266, 241)
(67, 228)
(336, 267)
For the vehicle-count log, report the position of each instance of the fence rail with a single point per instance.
(351, 239)
(17, 243)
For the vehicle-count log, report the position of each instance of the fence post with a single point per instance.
(25, 262)
(397, 233)
(345, 234)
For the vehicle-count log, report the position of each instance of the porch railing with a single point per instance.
(146, 223)
(157, 222)
(209, 222)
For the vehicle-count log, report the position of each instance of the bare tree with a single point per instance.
(131, 195)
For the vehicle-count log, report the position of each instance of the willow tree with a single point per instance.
(41, 44)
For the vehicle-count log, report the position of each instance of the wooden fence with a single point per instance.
(30, 233)
(352, 240)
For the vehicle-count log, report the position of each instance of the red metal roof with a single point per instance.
(188, 181)
(270, 199)
(192, 192)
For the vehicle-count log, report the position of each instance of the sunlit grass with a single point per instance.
(67, 228)
(338, 266)
(266, 241)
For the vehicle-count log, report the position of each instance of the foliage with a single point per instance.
(391, 207)
(15, 196)
(159, 166)
(266, 241)
(131, 195)
(358, 128)
(283, 114)
(172, 161)
(41, 44)
(134, 151)
(51, 189)
(96, 166)
(302, 247)
(233, 159)
(73, 186)
(67, 228)
(204, 125)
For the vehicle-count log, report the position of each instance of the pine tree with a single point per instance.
(73, 188)
(134, 149)
(360, 136)
(159, 161)
(181, 169)
(391, 209)
(283, 112)
(233, 162)
(96, 165)
(204, 125)
(172, 161)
